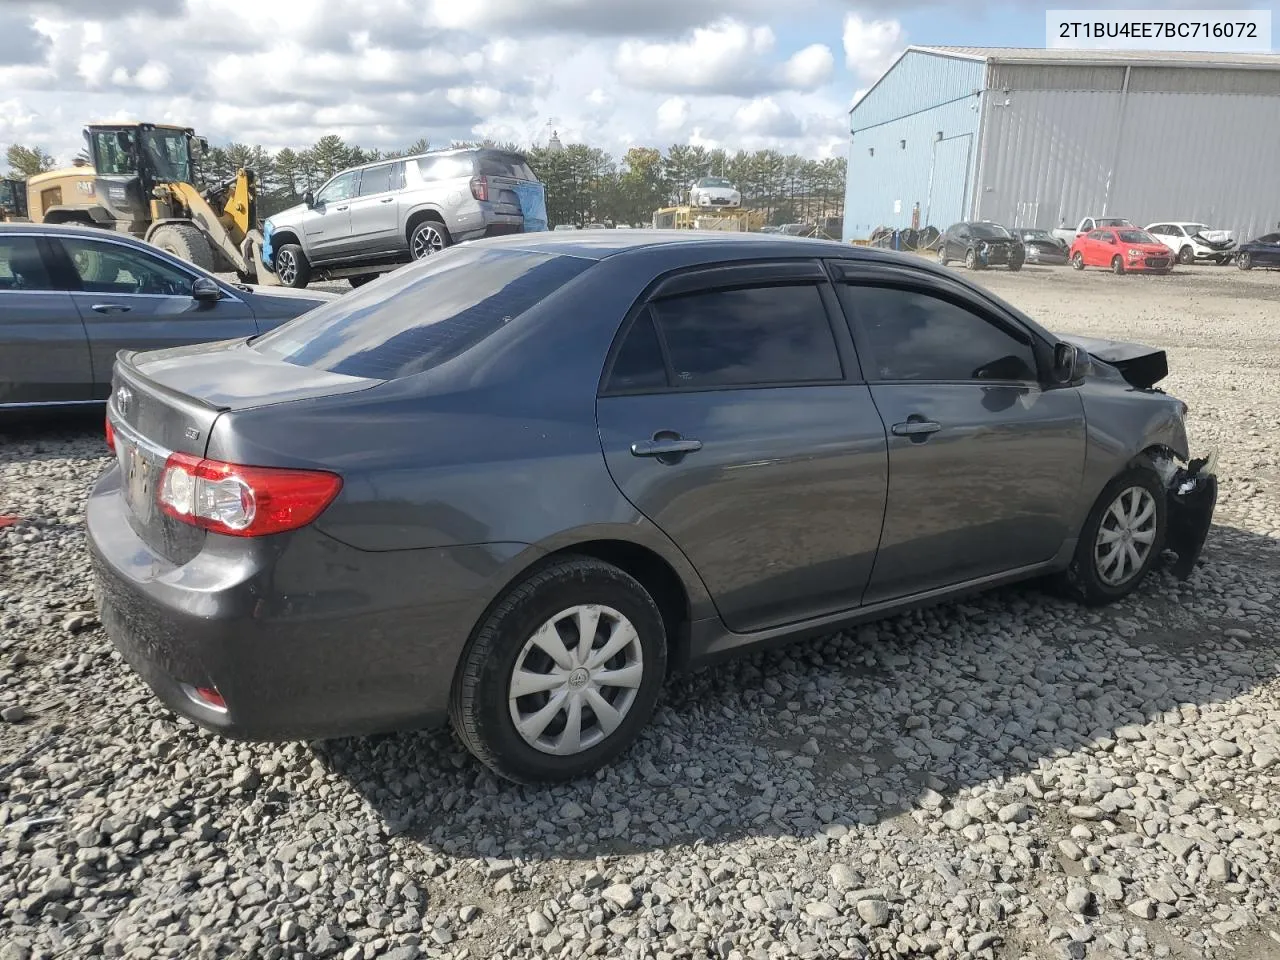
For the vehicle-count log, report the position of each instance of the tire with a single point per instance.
(1186, 255)
(942, 257)
(1088, 579)
(186, 242)
(1015, 266)
(362, 279)
(428, 237)
(1244, 261)
(1117, 265)
(1077, 260)
(971, 261)
(292, 267)
(483, 713)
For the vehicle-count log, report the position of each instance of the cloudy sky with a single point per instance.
(614, 73)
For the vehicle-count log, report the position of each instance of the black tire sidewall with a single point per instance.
(971, 260)
(1077, 261)
(1244, 261)
(1117, 265)
(303, 275)
(1083, 574)
(497, 643)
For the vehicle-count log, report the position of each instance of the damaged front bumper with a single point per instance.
(1192, 495)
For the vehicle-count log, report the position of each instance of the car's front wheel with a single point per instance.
(1117, 265)
(1121, 539)
(562, 674)
(971, 261)
(1186, 255)
(1077, 260)
(1245, 261)
(292, 267)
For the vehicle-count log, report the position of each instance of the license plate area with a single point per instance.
(140, 467)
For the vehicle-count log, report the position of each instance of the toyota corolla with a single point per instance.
(517, 483)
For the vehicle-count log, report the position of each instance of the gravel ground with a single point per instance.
(1007, 777)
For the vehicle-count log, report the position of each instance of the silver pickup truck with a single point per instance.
(373, 218)
(1068, 236)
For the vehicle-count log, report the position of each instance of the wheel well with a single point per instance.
(280, 237)
(656, 576)
(417, 218)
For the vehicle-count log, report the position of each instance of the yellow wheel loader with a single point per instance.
(141, 183)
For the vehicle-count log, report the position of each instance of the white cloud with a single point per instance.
(673, 113)
(764, 117)
(713, 59)
(809, 68)
(871, 46)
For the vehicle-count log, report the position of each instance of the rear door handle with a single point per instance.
(915, 428)
(665, 447)
(340, 209)
(386, 199)
(111, 308)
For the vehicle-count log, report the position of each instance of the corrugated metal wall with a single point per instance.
(921, 95)
(1071, 144)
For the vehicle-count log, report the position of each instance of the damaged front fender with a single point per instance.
(1192, 496)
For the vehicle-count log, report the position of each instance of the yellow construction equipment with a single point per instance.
(141, 183)
(692, 218)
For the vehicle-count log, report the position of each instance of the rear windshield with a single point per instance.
(422, 315)
(503, 165)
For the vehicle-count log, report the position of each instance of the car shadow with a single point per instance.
(820, 736)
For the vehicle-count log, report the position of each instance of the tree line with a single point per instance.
(584, 184)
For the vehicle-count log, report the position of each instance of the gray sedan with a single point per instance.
(72, 297)
(518, 482)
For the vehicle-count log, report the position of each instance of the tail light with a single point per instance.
(243, 501)
(480, 188)
(111, 435)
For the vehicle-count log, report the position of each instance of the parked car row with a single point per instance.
(1110, 242)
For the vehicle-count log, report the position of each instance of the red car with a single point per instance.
(1123, 249)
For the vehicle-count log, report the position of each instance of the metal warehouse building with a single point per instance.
(1039, 138)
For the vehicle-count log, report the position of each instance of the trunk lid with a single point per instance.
(167, 401)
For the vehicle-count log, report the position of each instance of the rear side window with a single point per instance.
(21, 266)
(503, 165)
(446, 168)
(639, 364)
(756, 335)
(422, 315)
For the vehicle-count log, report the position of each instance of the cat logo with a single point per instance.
(85, 187)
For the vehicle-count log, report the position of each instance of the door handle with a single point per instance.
(386, 199)
(915, 428)
(665, 447)
(341, 208)
(111, 308)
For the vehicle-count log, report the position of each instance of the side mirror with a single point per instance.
(205, 290)
(309, 199)
(1069, 362)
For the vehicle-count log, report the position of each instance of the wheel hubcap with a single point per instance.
(1125, 537)
(426, 241)
(286, 268)
(576, 679)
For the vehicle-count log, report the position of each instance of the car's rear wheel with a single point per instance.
(292, 267)
(562, 674)
(1117, 265)
(1077, 260)
(428, 237)
(1186, 255)
(1121, 539)
(1245, 261)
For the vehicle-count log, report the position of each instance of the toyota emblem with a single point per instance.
(124, 396)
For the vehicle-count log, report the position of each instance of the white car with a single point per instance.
(1194, 241)
(714, 192)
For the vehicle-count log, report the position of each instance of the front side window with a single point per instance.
(114, 152)
(21, 266)
(921, 337)
(116, 269)
(168, 154)
(757, 335)
(341, 187)
(422, 315)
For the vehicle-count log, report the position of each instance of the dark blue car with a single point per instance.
(1263, 252)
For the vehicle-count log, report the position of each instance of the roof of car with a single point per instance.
(70, 229)
(598, 244)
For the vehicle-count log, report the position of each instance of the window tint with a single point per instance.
(114, 268)
(21, 266)
(990, 231)
(446, 168)
(503, 165)
(756, 335)
(638, 364)
(917, 336)
(421, 315)
(341, 188)
(375, 180)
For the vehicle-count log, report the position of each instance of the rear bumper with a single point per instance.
(302, 636)
(492, 224)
